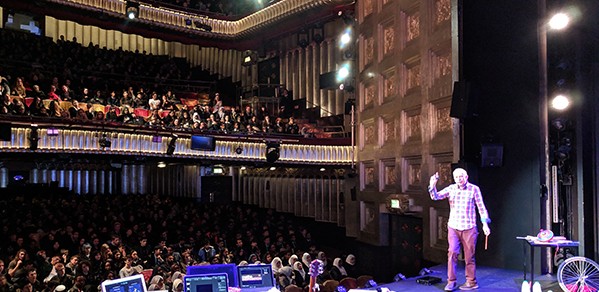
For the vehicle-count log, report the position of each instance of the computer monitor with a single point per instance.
(206, 283)
(133, 283)
(206, 143)
(256, 276)
(229, 269)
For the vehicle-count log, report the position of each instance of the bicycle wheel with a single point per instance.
(578, 274)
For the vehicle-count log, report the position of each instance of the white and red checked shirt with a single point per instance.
(462, 204)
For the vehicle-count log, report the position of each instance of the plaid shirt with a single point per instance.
(462, 214)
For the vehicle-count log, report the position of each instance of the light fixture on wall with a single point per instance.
(303, 39)
(132, 9)
(318, 33)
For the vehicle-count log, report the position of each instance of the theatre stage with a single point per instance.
(489, 279)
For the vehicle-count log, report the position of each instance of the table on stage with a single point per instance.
(534, 242)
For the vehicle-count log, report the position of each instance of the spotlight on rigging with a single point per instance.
(132, 9)
(104, 142)
(272, 151)
(203, 26)
(33, 137)
(172, 145)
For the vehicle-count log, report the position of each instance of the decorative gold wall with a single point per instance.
(407, 66)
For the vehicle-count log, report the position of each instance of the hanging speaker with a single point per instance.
(491, 155)
(463, 100)
(5, 132)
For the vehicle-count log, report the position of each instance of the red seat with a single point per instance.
(164, 113)
(140, 112)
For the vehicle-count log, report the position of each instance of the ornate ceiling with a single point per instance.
(277, 20)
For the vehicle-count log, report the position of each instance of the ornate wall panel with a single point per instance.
(442, 11)
(412, 25)
(388, 175)
(388, 30)
(390, 84)
(368, 215)
(411, 55)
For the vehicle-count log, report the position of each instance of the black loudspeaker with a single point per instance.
(353, 194)
(491, 155)
(348, 106)
(5, 132)
(328, 80)
(262, 52)
(216, 189)
(463, 100)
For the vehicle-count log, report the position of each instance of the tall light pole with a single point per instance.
(544, 170)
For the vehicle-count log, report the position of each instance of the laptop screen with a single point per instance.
(134, 283)
(256, 276)
(229, 269)
(206, 283)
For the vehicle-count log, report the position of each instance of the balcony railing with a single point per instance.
(85, 139)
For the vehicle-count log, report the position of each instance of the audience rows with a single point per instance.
(89, 83)
(50, 241)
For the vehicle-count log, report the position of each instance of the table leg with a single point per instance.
(524, 260)
(532, 267)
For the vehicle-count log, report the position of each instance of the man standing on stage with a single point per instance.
(463, 197)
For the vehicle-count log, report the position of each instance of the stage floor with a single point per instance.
(489, 279)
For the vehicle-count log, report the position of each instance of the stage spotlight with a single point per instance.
(272, 151)
(564, 149)
(399, 277)
(370, 284)
(425, 271)
(132, 9)
(203, 26)
(559, 21)
(343, 72)
(348, 17)
(33, 138)
(172, 144)
(559, 124)
(318, 33)
(161, 164)
(238, 150)
(560, 102)
(345, 38)
(188, 22)
(302, 38)
(104, 142)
